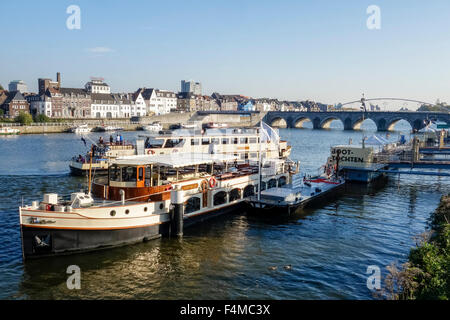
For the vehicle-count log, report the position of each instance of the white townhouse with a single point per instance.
(104, 106)
(158, 101)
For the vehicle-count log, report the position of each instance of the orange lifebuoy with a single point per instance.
(204, 185)
(212, 182)
(150, 151)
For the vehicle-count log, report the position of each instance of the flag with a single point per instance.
(268, 134)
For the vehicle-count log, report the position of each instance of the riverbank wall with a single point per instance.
(166, 120)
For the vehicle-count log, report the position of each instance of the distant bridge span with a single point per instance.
(394, 99)
(352, 120)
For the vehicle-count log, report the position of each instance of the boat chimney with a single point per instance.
(122, 195)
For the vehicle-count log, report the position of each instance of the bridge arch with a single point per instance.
(299, 122)
(326, 122)
(392, 123)
(278, 122)
(359, 122)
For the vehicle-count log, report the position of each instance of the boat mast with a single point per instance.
(90, 169)
(260, 160)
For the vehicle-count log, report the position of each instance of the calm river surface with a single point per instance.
(329, 248)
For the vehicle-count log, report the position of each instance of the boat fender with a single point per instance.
(212, 182)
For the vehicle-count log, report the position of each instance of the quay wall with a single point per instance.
(235, 120)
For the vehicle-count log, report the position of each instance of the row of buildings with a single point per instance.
(96, 100)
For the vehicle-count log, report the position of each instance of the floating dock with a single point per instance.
(293, 197)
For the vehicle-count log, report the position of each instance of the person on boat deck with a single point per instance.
(121, 139)
(118, 139)
(147, 143)
(111, 139)
(100, 140)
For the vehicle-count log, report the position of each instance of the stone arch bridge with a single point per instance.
(352, 120)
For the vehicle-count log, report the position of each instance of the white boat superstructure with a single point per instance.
(84, 128)
(153, 127)
(240, 142)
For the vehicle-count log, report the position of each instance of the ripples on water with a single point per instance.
(329, 248)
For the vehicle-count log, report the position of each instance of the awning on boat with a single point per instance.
(174, 160)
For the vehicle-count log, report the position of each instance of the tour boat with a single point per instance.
(241, 142)
(142, 198)
(6, 131)
(154, 127)
(81, 129)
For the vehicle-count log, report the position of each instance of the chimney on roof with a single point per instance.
(58, 79)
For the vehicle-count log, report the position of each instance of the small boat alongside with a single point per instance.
(108, 128)
(84, 128)
(7, 131)
(155, 127)
(216, 125)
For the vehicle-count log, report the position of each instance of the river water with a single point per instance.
(328, 248)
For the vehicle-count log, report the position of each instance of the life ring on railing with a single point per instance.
(150, 151)
(212, 182)
(48, 207)
(204, 185)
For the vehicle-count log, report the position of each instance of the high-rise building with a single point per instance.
(18, 85)
(191, 86)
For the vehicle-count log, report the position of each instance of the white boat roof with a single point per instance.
(183, 133)
(174, 160)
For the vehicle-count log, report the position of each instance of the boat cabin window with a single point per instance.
(170, 143)
(282, 181)
(235, 194)
(205, 141)
(195, 142)
(253, 140)
(141, 174)
(192, 205)
(129, 174)
(114, 173)
(244, 140)
(235, 140)
(215, 141)
(272, 183)
(249, 191)
(220, 198)
(156, 143)
(225, 141)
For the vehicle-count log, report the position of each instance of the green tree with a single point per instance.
(24, 118)
(2, 113)
(1, 87)
(41, 118)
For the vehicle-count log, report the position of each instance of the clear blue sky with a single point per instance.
(319, 50)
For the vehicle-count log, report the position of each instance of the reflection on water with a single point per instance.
(329, 247)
